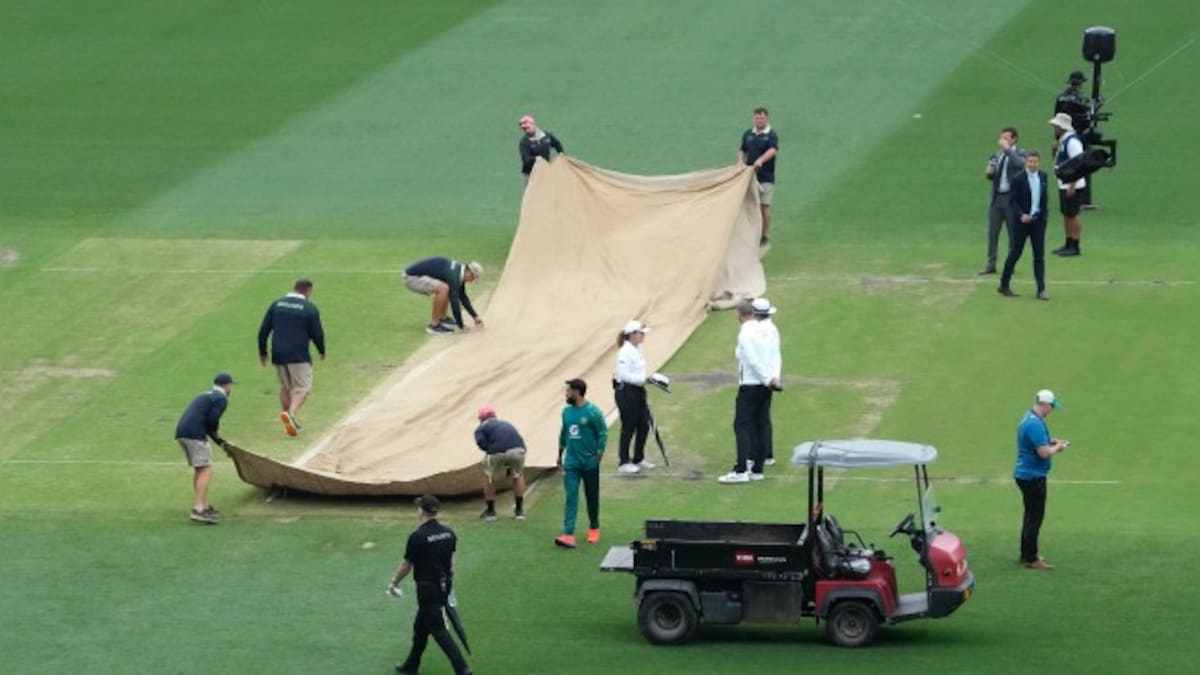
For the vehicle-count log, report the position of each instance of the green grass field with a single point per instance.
(170, 168)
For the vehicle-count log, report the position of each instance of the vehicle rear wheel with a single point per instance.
(667, 618)
(852, 623)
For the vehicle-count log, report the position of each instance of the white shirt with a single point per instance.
(631, 365)
(1035, 193)
(1074, 149)
(757, 352)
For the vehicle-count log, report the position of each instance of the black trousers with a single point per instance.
(635, 421)
(1033, 494)
(1035, 232)
(752, 425)
(429, 621)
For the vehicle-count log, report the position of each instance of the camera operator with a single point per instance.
(1072, 102)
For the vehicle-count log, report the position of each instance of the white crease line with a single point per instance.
(106, 462)
(919, 279)
(156, 270)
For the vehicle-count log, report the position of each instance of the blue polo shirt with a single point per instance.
(1032, 433)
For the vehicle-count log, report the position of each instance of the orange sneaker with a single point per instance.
(565, 540)
(593, 536)
(289, 423)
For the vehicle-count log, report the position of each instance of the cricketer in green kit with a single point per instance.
(580, 447)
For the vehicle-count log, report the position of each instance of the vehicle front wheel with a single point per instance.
(852, 623)
(667, 618)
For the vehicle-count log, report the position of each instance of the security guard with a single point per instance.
(1072, 102)
(429, 555)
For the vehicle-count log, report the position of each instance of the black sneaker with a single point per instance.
(1070, 252)
(519, 513)
(987, 269)
(448, 323)
(1006, 292)
(405, 670)
(488, 515)
(438, 329)
(208, 516)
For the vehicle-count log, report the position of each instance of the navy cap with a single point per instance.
(223, 378)
(1076, 76)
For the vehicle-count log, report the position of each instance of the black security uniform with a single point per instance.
(430, 551)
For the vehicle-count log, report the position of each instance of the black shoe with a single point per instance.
(208, 516)
(488, 515)
(1070, 252)
(1060, 249)
(1006, 292)
(988, 269)
(1042, 295)
(519, 513)
(405, 670)
(438, 329)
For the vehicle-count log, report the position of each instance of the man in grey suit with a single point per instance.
(1004, 165)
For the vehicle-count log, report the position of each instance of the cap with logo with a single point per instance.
(1047, 396)
(635, 326)
(762, 307)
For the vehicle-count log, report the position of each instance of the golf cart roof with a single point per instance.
(862, 452)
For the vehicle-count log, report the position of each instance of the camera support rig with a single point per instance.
(1099, 47)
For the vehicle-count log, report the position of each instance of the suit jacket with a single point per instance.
(1021, 201)
(1016, 166)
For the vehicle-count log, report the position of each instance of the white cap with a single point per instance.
(475, 268)
(1062, 121)
(1047, 396)
(635, 326)
(762, 307)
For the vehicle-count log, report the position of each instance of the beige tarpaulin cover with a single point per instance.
(594, 249)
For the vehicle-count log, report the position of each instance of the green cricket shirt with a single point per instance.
(583, 437)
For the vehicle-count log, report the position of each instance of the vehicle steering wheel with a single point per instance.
(904, 526)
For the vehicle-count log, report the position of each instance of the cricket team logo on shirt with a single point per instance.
(573, 430)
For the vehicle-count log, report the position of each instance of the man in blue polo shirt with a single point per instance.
(1034, 450)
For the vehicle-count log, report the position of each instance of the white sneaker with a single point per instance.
(770, 461)
(749, 465)
(628, 468)
(757, 476)
(646, 465)
(734, 477)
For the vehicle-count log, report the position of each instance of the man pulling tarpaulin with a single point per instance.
(593, 248)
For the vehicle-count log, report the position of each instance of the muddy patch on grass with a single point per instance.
(8, 257)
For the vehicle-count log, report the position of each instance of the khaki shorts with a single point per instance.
(422, 285)
(296, 378)
(197, 452)
(765, 192)
(510, 462)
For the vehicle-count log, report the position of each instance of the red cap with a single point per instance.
(486, 412)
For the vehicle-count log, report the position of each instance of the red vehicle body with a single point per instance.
(691, 572)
